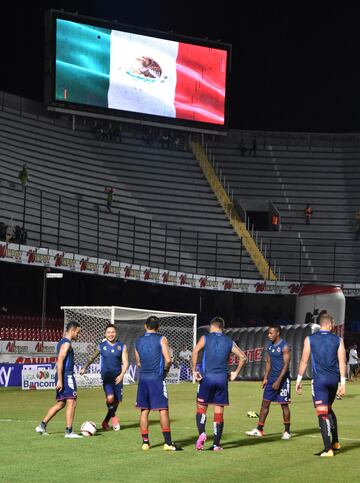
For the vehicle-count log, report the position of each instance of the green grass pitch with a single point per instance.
(117, 456)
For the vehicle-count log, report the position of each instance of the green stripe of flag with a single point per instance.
(82, 63)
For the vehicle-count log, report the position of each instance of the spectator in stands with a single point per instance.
(9, 230)
(107, 133)
(308, 214)
(24, 177)
(177, 143)
(253, 148)
(275, 219)
(3, 229)
(164, 140)
(117, 134)
(357, 225)
(109, 198)
(243, 148)
(98, 132)
(184, 142)
(149, 137)
(185, 354)
(19, 235)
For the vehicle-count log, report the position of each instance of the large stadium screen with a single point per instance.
(134, 73)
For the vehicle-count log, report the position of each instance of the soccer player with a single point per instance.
(114, 363)
(329, 367)
(213, 379)
(153, 358)
(276, 382)
(65, 383)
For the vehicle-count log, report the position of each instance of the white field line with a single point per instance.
(341, 439)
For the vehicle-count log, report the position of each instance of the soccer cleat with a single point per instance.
(105, 425)
(145, 446)
(214, 447)
(286, 435)
(199, 445)
(252, 414)
(41, 430)
(327, 454)
(336, 446)
(255, 432)
(72, 435)
(172, 447)
(115, 423)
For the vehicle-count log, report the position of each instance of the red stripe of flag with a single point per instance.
(200, 84)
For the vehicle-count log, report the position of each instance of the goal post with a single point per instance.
(179, 328)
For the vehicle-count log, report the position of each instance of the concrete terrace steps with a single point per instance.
(329, 181)
(76, 166)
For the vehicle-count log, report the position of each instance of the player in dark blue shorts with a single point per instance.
(65, 382)
(213, 379)
(114, 363)
(328, 359)
(276, 382)
(153, 359)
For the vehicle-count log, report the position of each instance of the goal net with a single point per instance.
(178, 328)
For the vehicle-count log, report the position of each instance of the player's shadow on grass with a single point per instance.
(153, 422)
(243, 439)
(303, 432)
(249, 441)
(348, 447)
(183, 443)
(98, 433)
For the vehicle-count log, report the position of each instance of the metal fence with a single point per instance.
(77, 226)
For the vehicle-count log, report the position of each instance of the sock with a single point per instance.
(68, 430)
(43, 424)
(260, 426)
(201, 420)
(218, 428)
(333, 426)
(287, 426)
(167, 436)
(111, 411)
(145, 435)
(325, 430)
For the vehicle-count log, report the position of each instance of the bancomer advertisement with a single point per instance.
(14, 375)
(38, 379)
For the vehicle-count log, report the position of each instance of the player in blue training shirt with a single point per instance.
(153, 359)
(114, 363)
(213, 379)
(276, 382)
(329, 368)
(65, 383)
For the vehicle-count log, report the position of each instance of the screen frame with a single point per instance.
(114, 114)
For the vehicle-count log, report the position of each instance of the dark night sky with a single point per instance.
(293, 69)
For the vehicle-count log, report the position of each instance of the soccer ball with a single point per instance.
(88, 428)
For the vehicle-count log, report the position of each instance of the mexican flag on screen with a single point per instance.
(130, 72)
